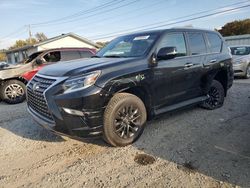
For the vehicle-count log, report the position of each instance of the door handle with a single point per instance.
(189, 65)
(213, 61)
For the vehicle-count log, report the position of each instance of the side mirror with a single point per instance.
(39, 61)
(167, 53)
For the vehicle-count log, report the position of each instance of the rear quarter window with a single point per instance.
(86, 54)
(197, 43)
(70, 55)
(214, 42)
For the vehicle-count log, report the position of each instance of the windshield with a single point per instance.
(129, 46)
(240, 50)
(32, 56)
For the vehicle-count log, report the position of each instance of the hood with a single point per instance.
(81, 66)
(237, 58)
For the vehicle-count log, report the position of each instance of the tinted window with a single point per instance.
(175, 40)
(52, 56)
(86, 54)
(197, 43)
(214, 42)
(241, 50)
(70, 55)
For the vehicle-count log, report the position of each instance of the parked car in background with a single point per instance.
(3, 64)
(241, 60)
(134, 78)
(13, 78)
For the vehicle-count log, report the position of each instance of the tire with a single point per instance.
(216, 95)
(247, 75)
(13, 92)
(124, 119)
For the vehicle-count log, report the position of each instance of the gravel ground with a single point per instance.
(189, 148)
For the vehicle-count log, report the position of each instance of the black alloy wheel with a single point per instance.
(124, 119)
(216, 96)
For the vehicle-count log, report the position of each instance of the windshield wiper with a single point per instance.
(113, 56)
(95, 56)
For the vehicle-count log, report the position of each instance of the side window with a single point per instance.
(86, 54)
(70, 55)
(175, 40)
(214, 42)
(197, 43)
(53, 56)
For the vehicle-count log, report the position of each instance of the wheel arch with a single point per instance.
(140, 92)
(14, 78)
(219, 75)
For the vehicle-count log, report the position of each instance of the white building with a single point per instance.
(238, 40)
(69, 40)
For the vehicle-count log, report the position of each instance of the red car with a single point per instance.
(13, 78)
(53, 56)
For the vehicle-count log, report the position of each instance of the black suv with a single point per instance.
(132, 79)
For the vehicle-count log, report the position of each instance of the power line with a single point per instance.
(202, 12)
(80, 13)
(145, 27)
(14, 32)
(123, 18)
(116, 16)
(92, 15)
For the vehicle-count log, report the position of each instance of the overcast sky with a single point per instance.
(111, 18)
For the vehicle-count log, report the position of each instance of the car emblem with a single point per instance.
(35, 87)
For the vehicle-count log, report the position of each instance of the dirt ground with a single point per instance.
(190, 148)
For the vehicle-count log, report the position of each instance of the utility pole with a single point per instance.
(30, 34)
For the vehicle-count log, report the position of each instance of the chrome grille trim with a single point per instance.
(36, 99)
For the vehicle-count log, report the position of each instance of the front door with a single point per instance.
(175, 79)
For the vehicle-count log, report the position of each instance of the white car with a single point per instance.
(241, 60)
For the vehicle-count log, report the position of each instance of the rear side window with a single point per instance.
(70, 55)
(175, 40)
(197, 43)
(86, 54)
(214, 42)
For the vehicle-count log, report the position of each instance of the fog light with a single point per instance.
(74, 112)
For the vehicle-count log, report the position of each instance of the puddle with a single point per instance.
(144, 159)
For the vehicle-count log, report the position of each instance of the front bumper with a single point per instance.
(240, 69)
(90, 103)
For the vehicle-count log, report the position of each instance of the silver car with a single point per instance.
(241, 60)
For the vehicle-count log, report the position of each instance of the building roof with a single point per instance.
(237, 37)
(54, 39)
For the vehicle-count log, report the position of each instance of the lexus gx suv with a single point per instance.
(134, 78)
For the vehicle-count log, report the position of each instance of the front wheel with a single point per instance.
(124, 119)
(13, 92)
(247, 75)
(216, 96)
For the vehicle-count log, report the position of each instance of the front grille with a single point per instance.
(36, 99)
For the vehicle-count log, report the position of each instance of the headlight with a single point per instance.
(81, 82)
(240, 61)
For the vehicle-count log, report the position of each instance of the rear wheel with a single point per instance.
(124, 119)
(216, 96)
(13, 92)
(247, 75)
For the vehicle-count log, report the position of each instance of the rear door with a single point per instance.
(174, 79)
(215, 47)
(198, 51)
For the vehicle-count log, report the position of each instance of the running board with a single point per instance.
(180, 105)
